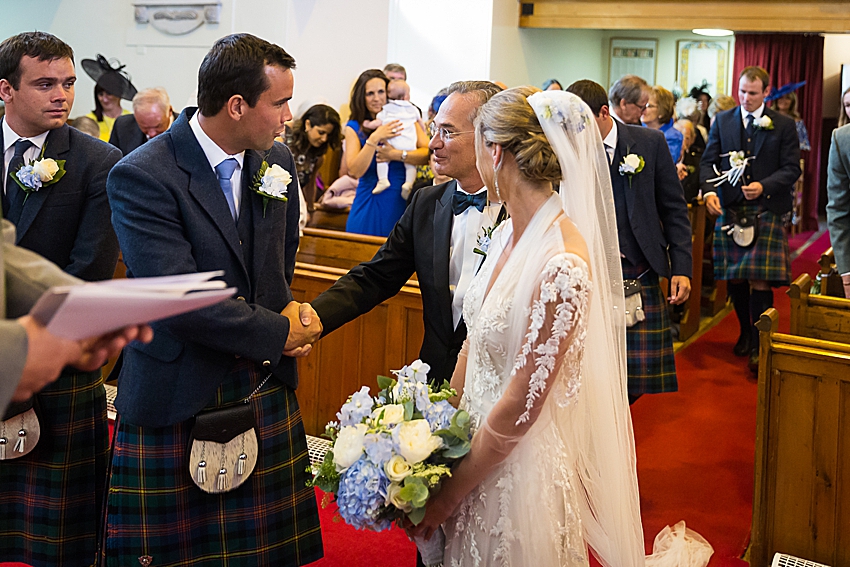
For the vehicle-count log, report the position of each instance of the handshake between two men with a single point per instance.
(305, 328)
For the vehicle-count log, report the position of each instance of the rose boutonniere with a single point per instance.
(271, 182)
(631, 165)
(39, 173)
(482, 246)
(764, 123)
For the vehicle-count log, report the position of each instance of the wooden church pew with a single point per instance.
(818, 316)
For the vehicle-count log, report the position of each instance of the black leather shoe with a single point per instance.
(753, 362)
(743, 347)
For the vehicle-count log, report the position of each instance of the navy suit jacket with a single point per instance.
(171, 217)
(658, 213)
(420, 243)
(776, 165)
(69, 222)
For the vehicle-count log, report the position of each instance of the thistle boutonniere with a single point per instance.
(39, 173)
(764, 123)
(271, 182)
(482, 246)
(631, 165)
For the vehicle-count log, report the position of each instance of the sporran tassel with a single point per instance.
(201, 475)
(222, 479)
(240, 467)
(20, 446)
(3, 442)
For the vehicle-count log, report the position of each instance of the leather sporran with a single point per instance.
(744, 229)
(20, 430)
(223, 448)
(634, 303)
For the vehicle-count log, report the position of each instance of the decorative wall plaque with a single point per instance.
(175, 17)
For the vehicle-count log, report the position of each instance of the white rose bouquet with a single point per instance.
(391, 452)
(271, 182)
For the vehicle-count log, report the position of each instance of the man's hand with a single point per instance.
(752, 191)
(712, 204)
(845, 279)
(305, 328)
(680, 289)
(681, 170)
(48, 354)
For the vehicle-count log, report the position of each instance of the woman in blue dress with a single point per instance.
(376, 214)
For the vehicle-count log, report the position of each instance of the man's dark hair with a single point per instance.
(357, 103)
(236, 65)
(38, 45)
(592, 93)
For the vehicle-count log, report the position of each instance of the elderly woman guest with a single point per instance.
(370, 213)
(659, 116)
(309, 139)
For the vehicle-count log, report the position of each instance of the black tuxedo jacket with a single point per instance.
(171, 217)
(655, 202)
(776, 164)
(69, 222)
(126, 135)
(420, 243)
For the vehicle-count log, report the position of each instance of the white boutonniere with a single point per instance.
(39, 173)
(764, 123)
(738, 163)
(482, 246)
(271, 182)
(631, 165)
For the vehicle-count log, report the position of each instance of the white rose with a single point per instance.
(394, 498)
(275, 181)
(393, 413)
(632, 162)
(415, 440)
(45, 169)
(348, 446)
(397, 468)
(764, 121)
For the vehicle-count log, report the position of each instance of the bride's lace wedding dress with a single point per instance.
(526, 512)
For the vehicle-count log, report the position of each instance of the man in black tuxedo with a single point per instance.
(152, 115)
(765, 193)
(654, 233)
(62, 213)
(434, 238)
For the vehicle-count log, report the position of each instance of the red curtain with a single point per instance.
(791, 58)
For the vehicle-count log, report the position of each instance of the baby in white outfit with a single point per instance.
(402, 110)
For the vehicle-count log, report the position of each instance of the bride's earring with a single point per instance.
(496, 181)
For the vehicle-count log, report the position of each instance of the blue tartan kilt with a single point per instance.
(155, 509)
(51, 500)
(769, 259)
(649, 344)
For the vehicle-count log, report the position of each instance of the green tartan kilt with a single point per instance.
(649, 344)
(51, 500)
(155, 509)
(769, 259)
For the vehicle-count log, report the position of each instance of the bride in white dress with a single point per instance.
(542, 374)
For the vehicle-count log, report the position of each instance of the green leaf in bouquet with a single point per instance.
(444, 392)
(386, 383)
(327, 478)
(408, 410)
(414, 491)
(456, 450)
(416, 515)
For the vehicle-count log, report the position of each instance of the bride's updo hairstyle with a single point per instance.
(508, 120)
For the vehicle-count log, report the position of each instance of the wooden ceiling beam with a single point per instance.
(740, 16)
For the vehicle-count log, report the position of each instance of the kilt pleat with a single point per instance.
(51, 500)
(769, 259)
(155, 509)
(649, 344)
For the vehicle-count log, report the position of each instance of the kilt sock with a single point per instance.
(760, 301)
(740, 294)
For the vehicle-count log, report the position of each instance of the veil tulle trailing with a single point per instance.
(599, 429)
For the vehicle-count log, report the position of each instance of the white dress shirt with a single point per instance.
(215, 155)
(463, 262)
(756, 115)
(610, 142)
(9, 139)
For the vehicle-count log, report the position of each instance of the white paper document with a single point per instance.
(92, 309)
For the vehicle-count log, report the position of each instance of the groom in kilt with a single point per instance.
(653, 229)
(189, 201)
(763, 195)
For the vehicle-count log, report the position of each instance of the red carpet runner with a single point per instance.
(695, 450)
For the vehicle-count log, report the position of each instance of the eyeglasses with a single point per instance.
(446, 134)
(651, 106)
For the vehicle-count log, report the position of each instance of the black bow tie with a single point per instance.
(462, 201)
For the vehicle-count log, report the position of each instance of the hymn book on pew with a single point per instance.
(93, 309)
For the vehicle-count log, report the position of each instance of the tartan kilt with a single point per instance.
(154, 508)
(769, 259)
(51, 501)
(649, 344)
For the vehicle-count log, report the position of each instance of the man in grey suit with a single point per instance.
(32, 356)
(838, 205)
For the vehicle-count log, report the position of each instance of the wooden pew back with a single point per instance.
(336, 249)
(829, 278)
(690, 318)
(802, 468)
(818, 316)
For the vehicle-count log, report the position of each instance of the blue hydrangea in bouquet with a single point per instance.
(391, 452)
